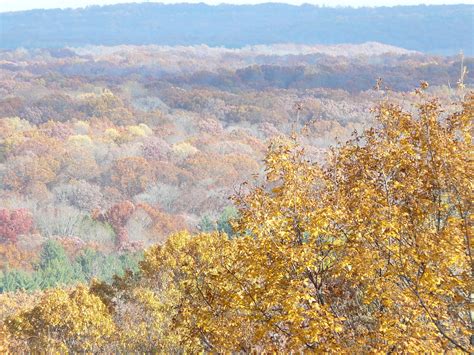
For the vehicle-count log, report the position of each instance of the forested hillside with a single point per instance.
(432, 29)
(272, 198)
(107, 150)
(369, 251)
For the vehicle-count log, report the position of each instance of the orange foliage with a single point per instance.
(163, 223)
(132, 175)
(16, 258)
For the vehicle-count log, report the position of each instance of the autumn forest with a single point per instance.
(266, 198)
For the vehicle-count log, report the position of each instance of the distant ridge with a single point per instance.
(445, 29)
(280, 49)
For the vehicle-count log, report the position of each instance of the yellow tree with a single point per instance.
(370, 252)
(261, 290)
(401, 196)
(185, 275)
(64, 321)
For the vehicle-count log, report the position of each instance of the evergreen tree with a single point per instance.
(13, 280)
(55, 268)
(206, 224)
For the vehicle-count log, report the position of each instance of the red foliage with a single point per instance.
(14, 223)
(117, 216)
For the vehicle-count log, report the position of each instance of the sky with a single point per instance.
(19, 5)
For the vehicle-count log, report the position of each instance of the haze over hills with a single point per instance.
(443, 29)
(236, 179)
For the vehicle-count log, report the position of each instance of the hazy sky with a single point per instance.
(18, 5)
